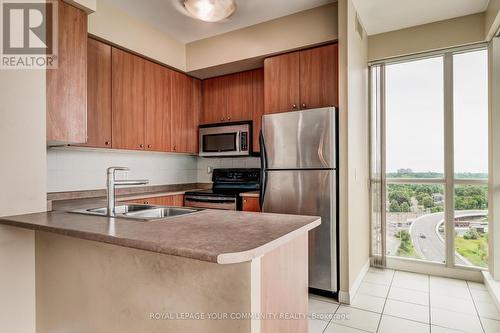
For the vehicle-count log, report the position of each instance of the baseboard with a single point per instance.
(493, 288)
(434, 268)
(347, 297)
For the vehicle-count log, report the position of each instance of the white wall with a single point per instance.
(279, 35)
(354, 164)
(85, 169)
(22, 191)
(71, 169)
(427, 37)
(120, 28)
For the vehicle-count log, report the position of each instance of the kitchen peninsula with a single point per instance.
(101, 274)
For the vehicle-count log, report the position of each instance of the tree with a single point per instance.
(394, 207)
(471, 234)
(405, 207)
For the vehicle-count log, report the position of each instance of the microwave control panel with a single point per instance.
(244, 141)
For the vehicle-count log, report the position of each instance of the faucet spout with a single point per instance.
(112, 183)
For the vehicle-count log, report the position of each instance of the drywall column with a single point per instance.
(494, 168)
(22, 190)
(354, 164)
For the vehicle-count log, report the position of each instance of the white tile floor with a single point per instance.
(393, 301)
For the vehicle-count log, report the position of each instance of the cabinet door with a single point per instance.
(214, 100)
(239, 89)
(319, 77)
(98, 94)
(157, 107)
(251, 204)
(258, 105)
(128, 100)
(281, 83)
(180, 103)
(174, 200)
(67, 85)
(194, 117)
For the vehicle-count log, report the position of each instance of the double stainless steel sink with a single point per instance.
(140, 212)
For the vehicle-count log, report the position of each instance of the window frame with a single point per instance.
(449, 181)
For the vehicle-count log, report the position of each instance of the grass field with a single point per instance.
(474, 250)
(406, 248)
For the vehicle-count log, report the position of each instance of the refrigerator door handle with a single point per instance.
(263, 166)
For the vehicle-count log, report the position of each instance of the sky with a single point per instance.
(415, 114)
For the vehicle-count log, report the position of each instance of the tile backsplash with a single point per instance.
(71, 169)
(237, 162)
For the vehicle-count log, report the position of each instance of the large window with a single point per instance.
(430, 142)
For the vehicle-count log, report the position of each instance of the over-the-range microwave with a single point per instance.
(226, 139)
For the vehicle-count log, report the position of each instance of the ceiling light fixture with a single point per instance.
(210, 10)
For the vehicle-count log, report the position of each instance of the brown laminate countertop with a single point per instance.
(216, 236)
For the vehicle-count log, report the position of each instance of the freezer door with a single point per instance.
(300, 139)
(309, 192)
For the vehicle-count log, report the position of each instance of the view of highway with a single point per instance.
(415, 223)
(428, 243)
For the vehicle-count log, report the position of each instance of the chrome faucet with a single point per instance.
(112, 183)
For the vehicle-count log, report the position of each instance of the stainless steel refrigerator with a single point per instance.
(299, 160)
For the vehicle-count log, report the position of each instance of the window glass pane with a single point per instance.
(414, 125)
(376, 175)
(470, 82)
(471, 225)
(414, 221)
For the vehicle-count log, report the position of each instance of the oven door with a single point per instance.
(210, 202)
(224, 140)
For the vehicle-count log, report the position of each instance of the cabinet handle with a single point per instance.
(228, 118)
(222, 119)
(141, 146)
(304, 105)
(175, 147)
(149, 146)
(294, 107)
(106, 143)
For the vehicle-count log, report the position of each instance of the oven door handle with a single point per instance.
(209, 200)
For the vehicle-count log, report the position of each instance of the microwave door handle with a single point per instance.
(238, 141)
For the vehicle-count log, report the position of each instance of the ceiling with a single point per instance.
(387, 15)
(170, 17)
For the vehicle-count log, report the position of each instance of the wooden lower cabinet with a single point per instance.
(168, 200)
(251, 204)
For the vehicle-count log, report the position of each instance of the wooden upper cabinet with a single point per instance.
(194, 116)
(67, 85)
(258, 105)
(319, 77)
(235, 97)
(301, 80)
(180, 104)
(128, 100)
(98, 94)
(214, 100)
(281, 82)
(239, 89)
(157, 81)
